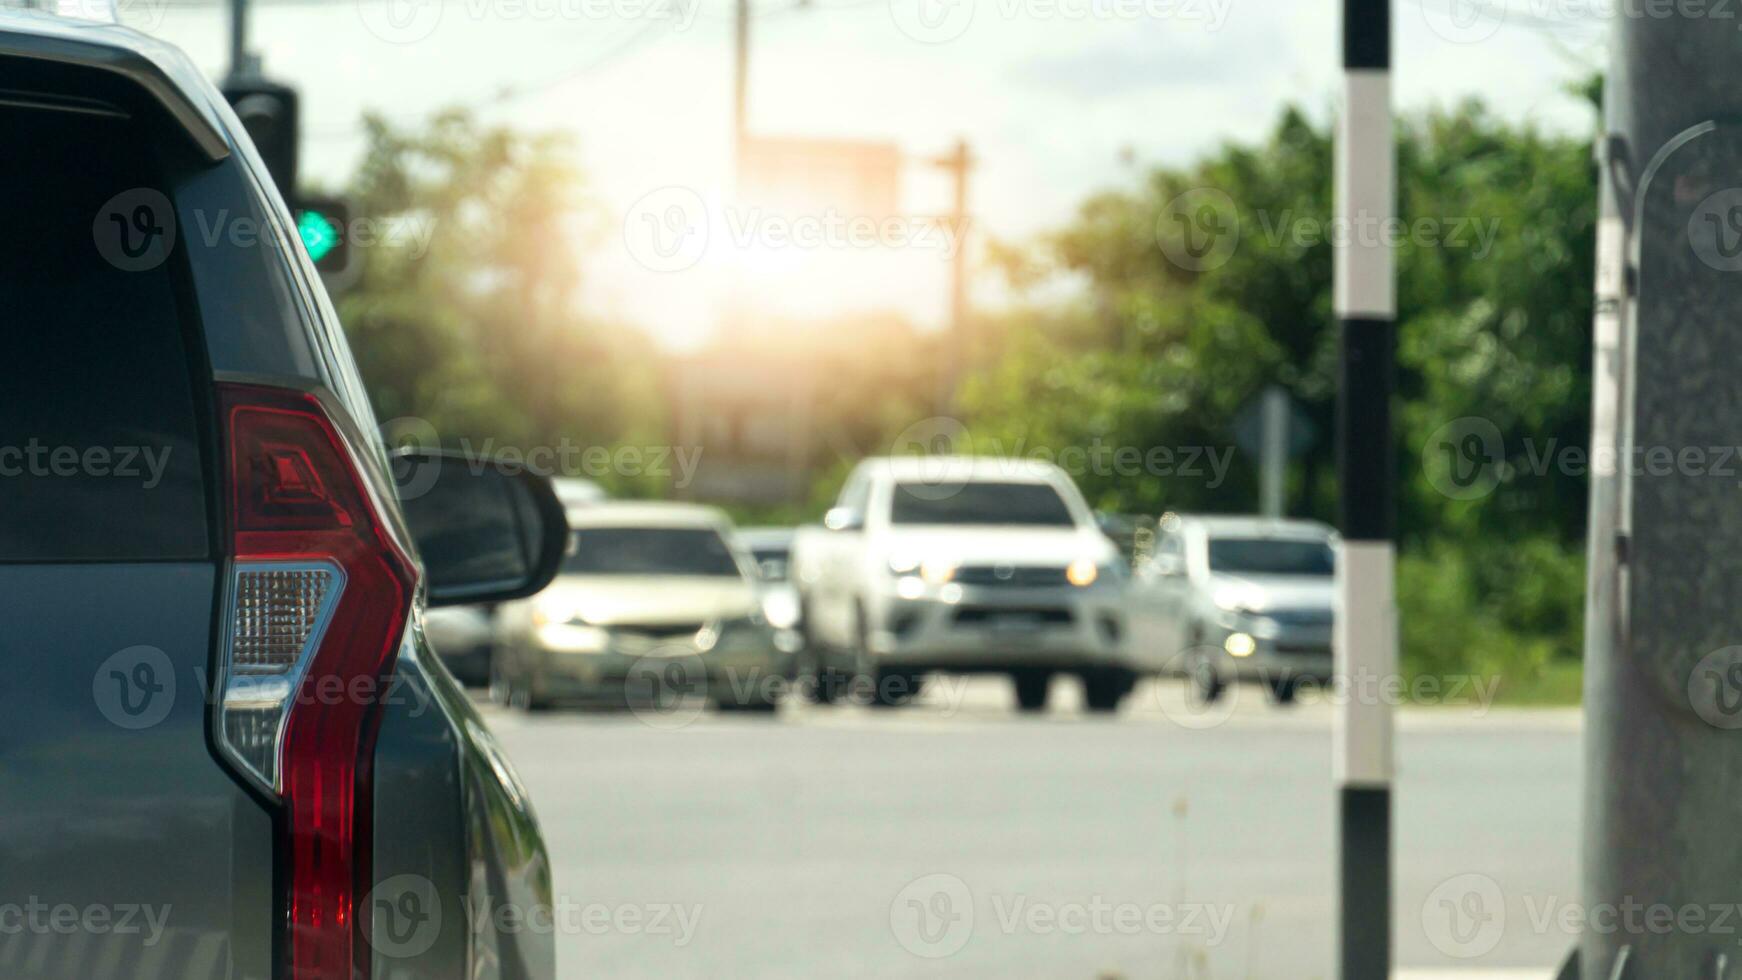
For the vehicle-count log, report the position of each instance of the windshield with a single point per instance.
(1023, 504)
(649, 551)
(1271, 556)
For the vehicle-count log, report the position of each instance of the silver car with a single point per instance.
(654, 601)
(1237, 599)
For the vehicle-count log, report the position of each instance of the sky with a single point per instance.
(1056, 98)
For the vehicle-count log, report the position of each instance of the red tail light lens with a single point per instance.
(320, 595)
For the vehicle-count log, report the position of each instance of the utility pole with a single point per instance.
(958, 345)
(240, 63)
(740, 81)
(1273, 451)
(1365, 637)
(1663, 669)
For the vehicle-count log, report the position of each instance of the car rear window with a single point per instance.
(99, 432)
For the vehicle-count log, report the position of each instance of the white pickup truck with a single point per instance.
(968, 565)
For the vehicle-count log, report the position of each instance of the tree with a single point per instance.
(475, 326)
(1495, 271)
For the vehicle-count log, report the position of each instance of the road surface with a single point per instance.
(958, 838)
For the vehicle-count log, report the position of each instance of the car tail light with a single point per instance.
(319, 593)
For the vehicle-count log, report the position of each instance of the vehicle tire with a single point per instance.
(1282, 690)
(895, 688)
(831, 686)
(1032, 687)
(1206, 681)
(1105, 688)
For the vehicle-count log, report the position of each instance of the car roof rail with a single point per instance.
(160, 72)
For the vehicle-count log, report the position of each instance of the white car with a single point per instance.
(1237, 599)
(653, 600)
(965, 565)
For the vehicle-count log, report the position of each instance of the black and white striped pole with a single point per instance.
(1366, 619)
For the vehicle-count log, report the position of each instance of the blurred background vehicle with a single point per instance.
(1132, 534)
(464, 638)
(770, 548)
(1237, 599)
(653, 601)
(574, 491)
(965, 565)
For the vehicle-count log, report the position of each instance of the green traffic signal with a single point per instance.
(318, 233)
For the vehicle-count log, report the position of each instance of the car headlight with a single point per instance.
(546, 612)
(1082, 573)
(781, 609)
(933, 571)
(937, 571)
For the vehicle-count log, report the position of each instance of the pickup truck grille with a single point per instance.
(1011, 616)
(1301, 617)
(1016, 576)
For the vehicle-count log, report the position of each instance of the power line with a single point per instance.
(514, 93)
(1504, 15)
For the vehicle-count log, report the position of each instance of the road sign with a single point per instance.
(1249, 427)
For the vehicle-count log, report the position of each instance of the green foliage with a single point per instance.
(481, 334)
(1494, 311)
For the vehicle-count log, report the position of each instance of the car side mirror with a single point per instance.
(844, 519)
(487, 531)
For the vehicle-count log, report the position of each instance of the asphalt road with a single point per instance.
(958, 838)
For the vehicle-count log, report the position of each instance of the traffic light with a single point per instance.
(269, 113)
(324, 224)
